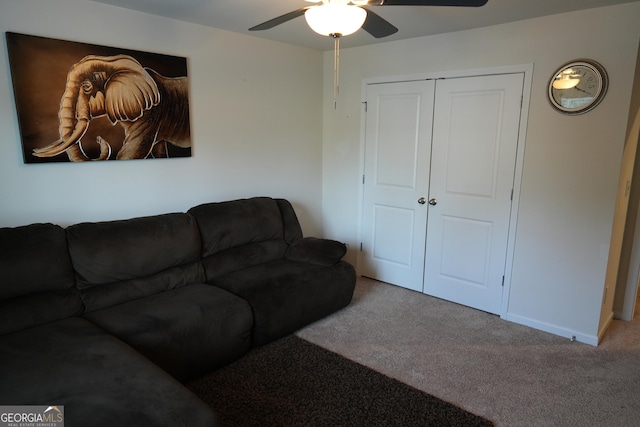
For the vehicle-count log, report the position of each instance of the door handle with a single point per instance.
(422, 200)
(433, 202)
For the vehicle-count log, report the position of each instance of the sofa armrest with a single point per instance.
(316, 251)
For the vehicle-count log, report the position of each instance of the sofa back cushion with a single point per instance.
(243, 233)
(36, 277)
(119, 261)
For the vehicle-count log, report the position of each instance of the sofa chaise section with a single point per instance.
(100, 380)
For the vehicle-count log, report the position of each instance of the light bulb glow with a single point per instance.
(566, 80)
(335, 18)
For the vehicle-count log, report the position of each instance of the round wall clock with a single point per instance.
(578, 86)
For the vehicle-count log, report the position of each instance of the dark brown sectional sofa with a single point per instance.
(110, 319)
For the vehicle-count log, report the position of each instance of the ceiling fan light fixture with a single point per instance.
(566, 80)
(335, 18)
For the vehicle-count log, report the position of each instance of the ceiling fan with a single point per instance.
(337, 18)
(333, 15)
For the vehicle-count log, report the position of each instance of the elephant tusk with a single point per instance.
(52, 150)
(61, 145)
(47, 148)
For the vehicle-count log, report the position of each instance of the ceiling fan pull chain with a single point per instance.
(336, 69)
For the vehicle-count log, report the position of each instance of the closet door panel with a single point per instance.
(397, 157)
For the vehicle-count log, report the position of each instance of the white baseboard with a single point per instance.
(553, 329)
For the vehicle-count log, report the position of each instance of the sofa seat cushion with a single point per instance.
(287, 295)
(100, 380)
(188, 331)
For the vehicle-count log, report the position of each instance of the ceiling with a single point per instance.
(412, 21)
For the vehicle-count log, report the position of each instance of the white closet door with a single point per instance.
(475, 134)
(397, 156)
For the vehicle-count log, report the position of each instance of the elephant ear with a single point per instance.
(128, 94)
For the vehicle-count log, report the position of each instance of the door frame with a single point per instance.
(527, 70)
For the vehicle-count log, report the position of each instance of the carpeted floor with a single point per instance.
(511, 374)
(292, 382)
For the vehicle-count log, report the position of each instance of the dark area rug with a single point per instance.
(292, 382)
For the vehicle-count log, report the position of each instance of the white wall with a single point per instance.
(255, 120)
(571, 164)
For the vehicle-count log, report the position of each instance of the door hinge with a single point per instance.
(360, 246)
(362, 179)
(503, 281)
(365, 106)
(512, 194)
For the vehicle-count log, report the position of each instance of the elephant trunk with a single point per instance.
(74, 116)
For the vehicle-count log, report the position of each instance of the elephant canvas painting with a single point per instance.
(78, 102)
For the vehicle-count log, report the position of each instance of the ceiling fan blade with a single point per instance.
(377, 26)
(464, 3)
(280, 19)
